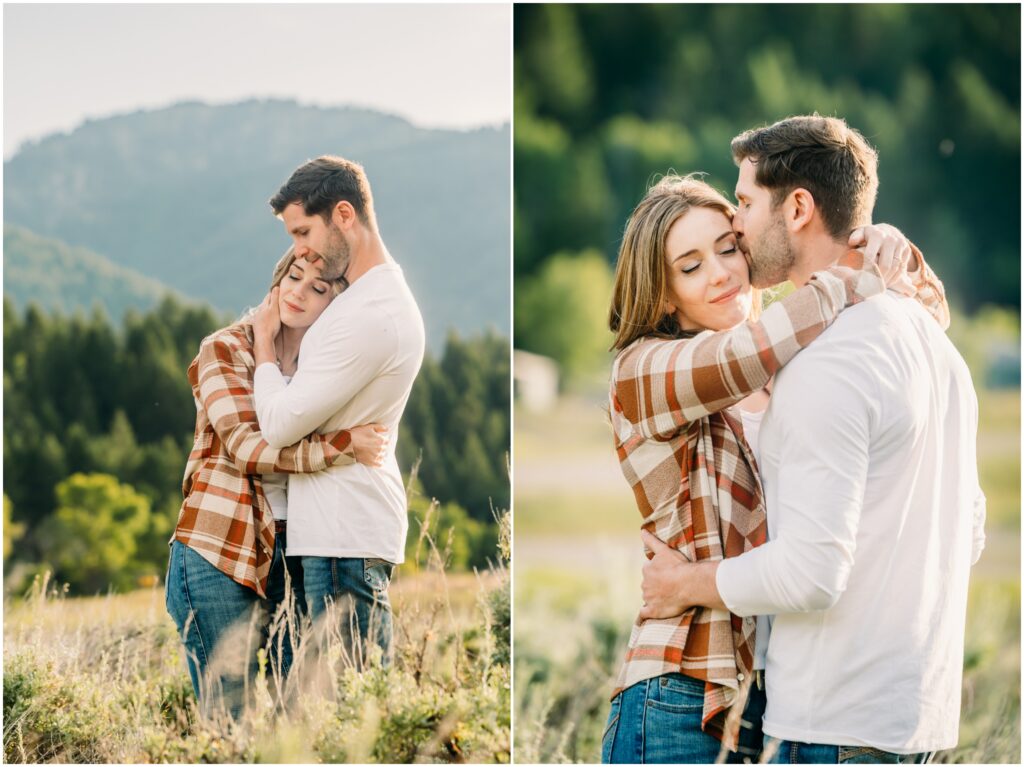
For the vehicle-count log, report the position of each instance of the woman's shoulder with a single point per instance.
(237, 336)
(228, 345)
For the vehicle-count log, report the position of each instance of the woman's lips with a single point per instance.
(726, 296)
(292, 306)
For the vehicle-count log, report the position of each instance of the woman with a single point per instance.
(685, 407)
(227, 570)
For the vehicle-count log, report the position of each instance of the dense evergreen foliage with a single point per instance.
(180, 195)
(610, 96)
(98, 421)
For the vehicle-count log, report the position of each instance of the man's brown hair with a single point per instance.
(320, 184)
(823, 155)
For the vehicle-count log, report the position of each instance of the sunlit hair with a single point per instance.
(823, 155)
(638, 298)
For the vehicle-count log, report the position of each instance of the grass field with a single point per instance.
(103, 680)
(577, 576)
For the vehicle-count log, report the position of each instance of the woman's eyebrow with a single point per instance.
(693, 251)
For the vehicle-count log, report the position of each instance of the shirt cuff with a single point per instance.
(737, 581)
(267, 379)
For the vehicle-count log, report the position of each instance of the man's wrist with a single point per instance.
(705, 586)
(263, 350)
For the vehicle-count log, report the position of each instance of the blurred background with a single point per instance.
(607, 98)
(141, 145)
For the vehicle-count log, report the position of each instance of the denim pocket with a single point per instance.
(377, 573)
(608, 738)
(678, 693)
(672, 731)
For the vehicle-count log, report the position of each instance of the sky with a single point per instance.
(439, 66)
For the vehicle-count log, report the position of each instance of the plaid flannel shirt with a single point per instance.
(694, 476)
(225, 516)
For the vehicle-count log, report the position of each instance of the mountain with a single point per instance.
(62, 278)
(180, 195)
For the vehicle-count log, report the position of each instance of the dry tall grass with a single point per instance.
(104, 680)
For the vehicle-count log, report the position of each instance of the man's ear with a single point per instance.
(344, 215)
(798, 209)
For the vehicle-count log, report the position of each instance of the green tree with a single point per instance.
(92, 538)
(562, 312)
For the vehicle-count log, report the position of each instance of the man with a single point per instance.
(868, 463)
(357, 365)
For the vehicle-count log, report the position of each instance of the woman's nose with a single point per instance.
(717, 271)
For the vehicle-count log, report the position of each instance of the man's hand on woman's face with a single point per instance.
(266, 324)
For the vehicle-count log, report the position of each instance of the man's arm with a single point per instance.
(348, 356)
(225, 392)
(661, 387)
(824, 460)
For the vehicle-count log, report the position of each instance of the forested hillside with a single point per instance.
(180, 195)
(61, 278)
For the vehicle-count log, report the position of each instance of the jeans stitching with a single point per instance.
(335, 588)
(643, 724)
(194, 624)
(610, 732)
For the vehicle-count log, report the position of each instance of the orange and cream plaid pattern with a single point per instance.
(694, 476)
(225, 516)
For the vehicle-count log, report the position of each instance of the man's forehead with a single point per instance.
(294, 213)
(746, 180)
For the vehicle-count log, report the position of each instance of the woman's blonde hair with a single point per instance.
(638, 297)
(285, 263)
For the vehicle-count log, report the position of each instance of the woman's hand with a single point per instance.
(370, 443)
(266, 323)
(889, 249)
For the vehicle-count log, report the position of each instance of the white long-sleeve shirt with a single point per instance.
(875, 515)
(357, 364)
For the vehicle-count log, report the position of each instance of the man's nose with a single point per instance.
(301, 251)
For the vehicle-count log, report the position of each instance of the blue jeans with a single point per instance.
(658, 721)
(208, 606)
(790, 752)
(350, 596)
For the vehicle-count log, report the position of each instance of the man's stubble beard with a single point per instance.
(337, 253)
(772, 256)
